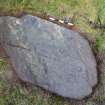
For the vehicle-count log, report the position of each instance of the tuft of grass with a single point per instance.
(90, 103)
(100, 43)
(3, 64)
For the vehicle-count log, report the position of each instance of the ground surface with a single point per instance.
(15, 92)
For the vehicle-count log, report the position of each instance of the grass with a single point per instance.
(19, 94)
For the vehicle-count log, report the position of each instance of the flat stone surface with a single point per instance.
(49, 56)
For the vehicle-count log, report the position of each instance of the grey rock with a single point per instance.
(49, 56)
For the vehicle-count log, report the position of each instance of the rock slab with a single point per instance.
(48, 55)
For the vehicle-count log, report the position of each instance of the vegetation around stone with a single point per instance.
(15, 93)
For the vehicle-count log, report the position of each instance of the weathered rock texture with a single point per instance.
(50, 56)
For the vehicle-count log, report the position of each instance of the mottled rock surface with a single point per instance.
(49, 56)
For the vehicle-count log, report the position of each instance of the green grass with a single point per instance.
(19, 94)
